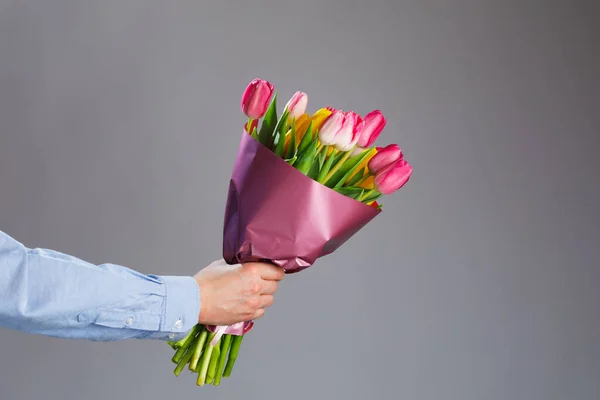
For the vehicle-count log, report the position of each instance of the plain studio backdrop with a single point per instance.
(120, 122)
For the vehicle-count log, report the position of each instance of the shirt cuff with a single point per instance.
(181, 309)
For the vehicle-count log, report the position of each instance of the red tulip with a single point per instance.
(374, 122)
(297, 105)
(348, 135)
(256, 98)
(393, 177)
(331, 127)
(384, 157)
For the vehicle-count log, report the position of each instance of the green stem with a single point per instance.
(173, 345)
(186, 340)
(185, 343)
(337, 166)
(184, 360)
(198, 349)
(223, 358)
(208, 349)
(235, 348)
(214, 361)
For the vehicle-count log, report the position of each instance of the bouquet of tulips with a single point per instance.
(302, 185)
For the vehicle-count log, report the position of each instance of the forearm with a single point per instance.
(50, 293)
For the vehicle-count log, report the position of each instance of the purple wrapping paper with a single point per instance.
(275, 213)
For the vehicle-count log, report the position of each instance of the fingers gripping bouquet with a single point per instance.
(301, 186)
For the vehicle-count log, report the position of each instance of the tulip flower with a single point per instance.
(373, 124)
(393, 177)
(256, 98)
(297, 105)
(331, 127)
(319, 117)
(348, 136)
(384, 157)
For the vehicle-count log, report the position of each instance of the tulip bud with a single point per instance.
(330, 109)
(384, 157)
(374, 122)
(393, 177)
(297, 105)
(256, 98)
(347, 136)
(330, 128)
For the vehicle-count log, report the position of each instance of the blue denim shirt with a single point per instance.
(49, 293)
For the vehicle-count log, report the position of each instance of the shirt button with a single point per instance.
(171, 336)
(178, 324)
(129, 321)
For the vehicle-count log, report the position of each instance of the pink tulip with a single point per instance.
(348, 135)
(374, 122)
(297, 105)
(330, 109)
(384, 157)
(256, 98)
(393, 177)
(331, 127)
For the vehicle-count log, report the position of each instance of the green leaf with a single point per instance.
(282, 122)
(324, 170)
(352, 192)
(357, 177)
(265, 135)
(313, 172)
(291, 151)
(347, 169)
(292, 160)
(255, 134)
(306, 160)
(279, 144)
(279, 134)
(373, 195)
(338, 156)
(306, 139)
(323, 156)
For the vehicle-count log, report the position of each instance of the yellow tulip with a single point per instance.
(303, 121)
(301, 125)
(319, 117)
(368, 183)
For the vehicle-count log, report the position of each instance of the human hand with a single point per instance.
(234, 293)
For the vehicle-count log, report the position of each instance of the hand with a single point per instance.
(234, 293)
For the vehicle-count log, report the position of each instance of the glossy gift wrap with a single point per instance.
(275, 213)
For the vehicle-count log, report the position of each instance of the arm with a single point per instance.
(50, 293)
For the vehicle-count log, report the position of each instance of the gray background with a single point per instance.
(119, 124)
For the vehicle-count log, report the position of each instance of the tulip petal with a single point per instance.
(319, 117)
(393, 177)
(301, 125)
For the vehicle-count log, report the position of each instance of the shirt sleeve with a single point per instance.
(49, 293)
